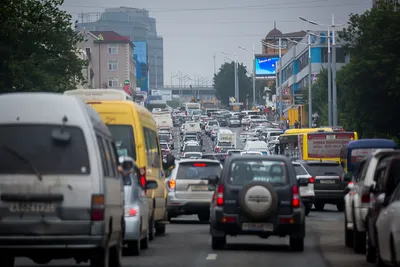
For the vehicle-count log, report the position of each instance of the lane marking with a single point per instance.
(211, 257)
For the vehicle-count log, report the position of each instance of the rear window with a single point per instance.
(25, 149)
(164, 137)
(197, 170)
(300, 170)
(325, 169)
(212, 123)
(124, 139)
(190, 138)
(246, 171)
(164, 146)
(192, 149)
(234, 152)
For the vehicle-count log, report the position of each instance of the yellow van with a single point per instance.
(135, 133)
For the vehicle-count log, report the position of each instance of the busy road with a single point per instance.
(187, 242)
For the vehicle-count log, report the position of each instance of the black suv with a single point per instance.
(257, 195)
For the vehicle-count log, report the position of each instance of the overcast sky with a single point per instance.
(194, 30)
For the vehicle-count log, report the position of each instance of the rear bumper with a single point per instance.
(132, 228)
(51, 242)
(308, 200)
(217, 227)
(329, 196)
(177, 206)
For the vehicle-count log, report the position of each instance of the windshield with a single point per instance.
(192, 155)
(224, 144)
(190, 138)
(234, 152)
(192, 149)
(34, 144)
(164, 137)
(164, 146)
(246, 171)
(322, 169)
(124, 139)
(212, 123)
(197, 170)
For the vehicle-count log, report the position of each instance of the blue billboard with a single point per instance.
(142, 67)
(266, 66)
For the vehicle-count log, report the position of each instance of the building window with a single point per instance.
(113, 65)
(113, 82)
(113, 49)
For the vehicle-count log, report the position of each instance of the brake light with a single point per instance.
(143, 177)
(171, 184)
(295, 197)
(130, 212)
(199, 165)
(311, 180)
(97, 209)
(365, 197)
(220, 195)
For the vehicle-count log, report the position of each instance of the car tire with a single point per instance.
(319, 206)
(152, 226)
(99, 259)
(348, 234)
(7, 260)
(297, 243)
(370, 250)
(133, 248)
(340, 206)
(144, 243)
(204, 217)
(218, 242)
(308, 209)
(161, 226)
(115, 259)
(268, 211)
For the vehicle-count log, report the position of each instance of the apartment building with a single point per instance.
(110, 55)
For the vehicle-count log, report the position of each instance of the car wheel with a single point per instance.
(144, 243)
(115, 259)
(308, 209)
(297, 243)
(7, 260)
(133, 248)
(101, 258)
(161, 226)
(369, 248)
(319, 206)
(348, 234)
(218, 242)
(152, 227)
(204, 217)
(340, 206)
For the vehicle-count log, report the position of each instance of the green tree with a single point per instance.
(370, 84)
(224, 83)
(319, 97)
(37, 47)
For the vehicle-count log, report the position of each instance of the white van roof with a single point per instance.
(48, 108)
(99, 94)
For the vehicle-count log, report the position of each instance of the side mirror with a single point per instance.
(213, 179)
(302, 182)
(151, 185)
(347, 177)
(381, 199)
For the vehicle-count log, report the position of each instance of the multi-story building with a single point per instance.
(295, 63)
(136, 24)
(111, 60)
(273, 37)
(142, 66)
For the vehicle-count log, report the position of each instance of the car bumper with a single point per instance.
(132, 228)
(333, 196)
(52, 242)
(187, 206)
(308, 200)
(294, 228)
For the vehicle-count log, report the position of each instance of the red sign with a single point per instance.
(327, 145)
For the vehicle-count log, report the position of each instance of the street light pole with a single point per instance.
(329, 80)
(280, 80)
(309, 84)
(334, 88)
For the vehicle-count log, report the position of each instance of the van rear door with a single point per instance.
(45, 182)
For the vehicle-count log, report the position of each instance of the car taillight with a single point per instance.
(172, 184)
(295, 197)
(311, 180)
(365, 197)
(220, 195)
(97, 209)
(130, 212)
(143, 177)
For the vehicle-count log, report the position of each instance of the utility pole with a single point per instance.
(334, 88)
(329, 80)
(254, 76)
(309, 83)
(280, 81)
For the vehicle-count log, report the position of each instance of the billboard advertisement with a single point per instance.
(165, 94)
(141, 58)
(266, 66)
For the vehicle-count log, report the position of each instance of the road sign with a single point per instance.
(232, 100)
(235, 107)
(236, 104)
(127, 82)
(299, 99)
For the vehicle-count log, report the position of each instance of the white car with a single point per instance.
(307, 193)
(256, 153)
(255, 146)
(209, 124)
(192, 155)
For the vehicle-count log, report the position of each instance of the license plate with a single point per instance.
(327, 181)
(265, 227)
(303, 190)
(199, 187)
(32, 207)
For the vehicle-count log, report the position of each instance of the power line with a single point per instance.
(260, 7)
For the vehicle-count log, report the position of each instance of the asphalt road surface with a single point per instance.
(187, 244)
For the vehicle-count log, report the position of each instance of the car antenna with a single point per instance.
(64, 121)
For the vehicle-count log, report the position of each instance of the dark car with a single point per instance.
(218, 156)
(257, 195)
(329, 186)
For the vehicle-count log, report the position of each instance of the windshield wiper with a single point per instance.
(23, 159)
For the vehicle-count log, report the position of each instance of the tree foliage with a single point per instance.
(224, 83)
(319, 97)
(37, 47)
(369, 95)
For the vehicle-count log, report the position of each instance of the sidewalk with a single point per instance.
(332, 245)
